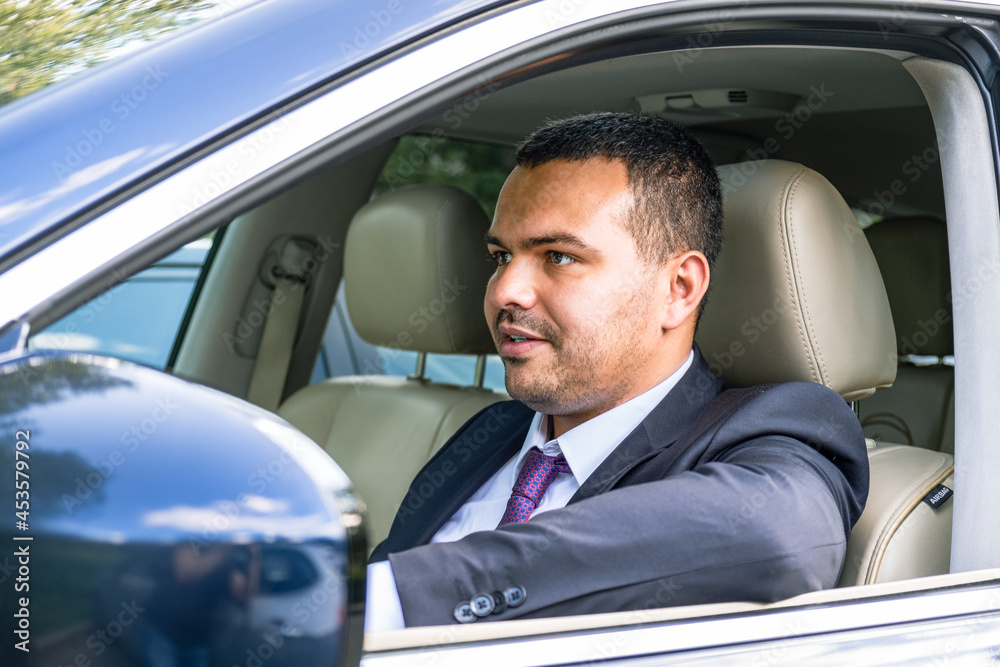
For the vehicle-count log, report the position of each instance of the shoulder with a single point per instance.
(796, 405)
(804, 412)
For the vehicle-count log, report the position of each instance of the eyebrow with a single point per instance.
(537, 241)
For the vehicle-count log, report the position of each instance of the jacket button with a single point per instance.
(515, 596)
(482, 604)
(499, 602)
(463, 613)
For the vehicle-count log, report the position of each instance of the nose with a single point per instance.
(512, 285)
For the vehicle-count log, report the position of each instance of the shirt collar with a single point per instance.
(587, 445)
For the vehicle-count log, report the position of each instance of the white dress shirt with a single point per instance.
(585, 448)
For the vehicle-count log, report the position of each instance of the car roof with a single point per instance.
(76, 144)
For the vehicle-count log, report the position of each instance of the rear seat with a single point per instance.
(415, 275)
(919, 409)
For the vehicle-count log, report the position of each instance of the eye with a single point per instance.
(501, 257)
(560, 259)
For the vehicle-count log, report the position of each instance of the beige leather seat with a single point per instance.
(920, 408)
(797, 295)
(415, 275)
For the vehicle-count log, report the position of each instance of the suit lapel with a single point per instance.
(667, 422)
(473, 455)
(472, 474)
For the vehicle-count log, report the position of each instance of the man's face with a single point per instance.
(572, 306)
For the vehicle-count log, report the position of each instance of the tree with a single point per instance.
(479, 169)
(42, 41)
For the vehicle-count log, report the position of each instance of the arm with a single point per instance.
(761, 522)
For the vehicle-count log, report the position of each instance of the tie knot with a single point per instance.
(537, 473)
(538, 463)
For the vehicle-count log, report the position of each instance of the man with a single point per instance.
(645, 483)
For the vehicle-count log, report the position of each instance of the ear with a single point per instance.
(687, 278)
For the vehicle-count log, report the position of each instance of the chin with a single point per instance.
(539, 399)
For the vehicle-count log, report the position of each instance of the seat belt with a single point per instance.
(274, 356)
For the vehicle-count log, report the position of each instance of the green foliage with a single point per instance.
(479, 169)
(42, 40)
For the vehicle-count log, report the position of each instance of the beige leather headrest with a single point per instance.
(913, 256)
(415, 271)
(796, 293)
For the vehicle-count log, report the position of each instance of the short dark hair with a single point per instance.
(678, 198)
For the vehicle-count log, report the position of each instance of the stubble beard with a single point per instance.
(588, 373)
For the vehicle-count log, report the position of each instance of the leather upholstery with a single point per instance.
(415, 276)
(382, 430)
(919, 409)
(898, 536)
(796, 293)
(415, 271)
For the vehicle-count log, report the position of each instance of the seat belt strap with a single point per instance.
(277, 340)
(274, 356)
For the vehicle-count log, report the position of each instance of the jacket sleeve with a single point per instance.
(762, 520)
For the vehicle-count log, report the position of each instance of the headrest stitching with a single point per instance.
(790, 272)
(810, 328)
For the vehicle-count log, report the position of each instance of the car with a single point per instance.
(183, 495)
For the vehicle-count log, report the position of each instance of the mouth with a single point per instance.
(515, 342)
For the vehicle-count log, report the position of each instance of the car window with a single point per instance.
(478, 168)
(344, 352)
(137, 319)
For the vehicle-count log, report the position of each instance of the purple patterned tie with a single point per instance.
(536, 474)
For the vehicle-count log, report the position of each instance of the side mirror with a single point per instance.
(153, 521)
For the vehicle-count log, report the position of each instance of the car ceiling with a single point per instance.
(857, 116)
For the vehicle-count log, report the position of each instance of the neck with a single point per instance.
(559, 424)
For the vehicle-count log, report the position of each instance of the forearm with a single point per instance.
(763, 524)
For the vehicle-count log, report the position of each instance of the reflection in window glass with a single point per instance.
(45, 42)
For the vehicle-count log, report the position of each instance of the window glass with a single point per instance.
(344, 352)
(285, 571)
(137, 319)
(479, 169)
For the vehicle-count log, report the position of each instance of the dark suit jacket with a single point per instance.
(718, 495)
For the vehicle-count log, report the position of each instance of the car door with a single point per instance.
(448, 73)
